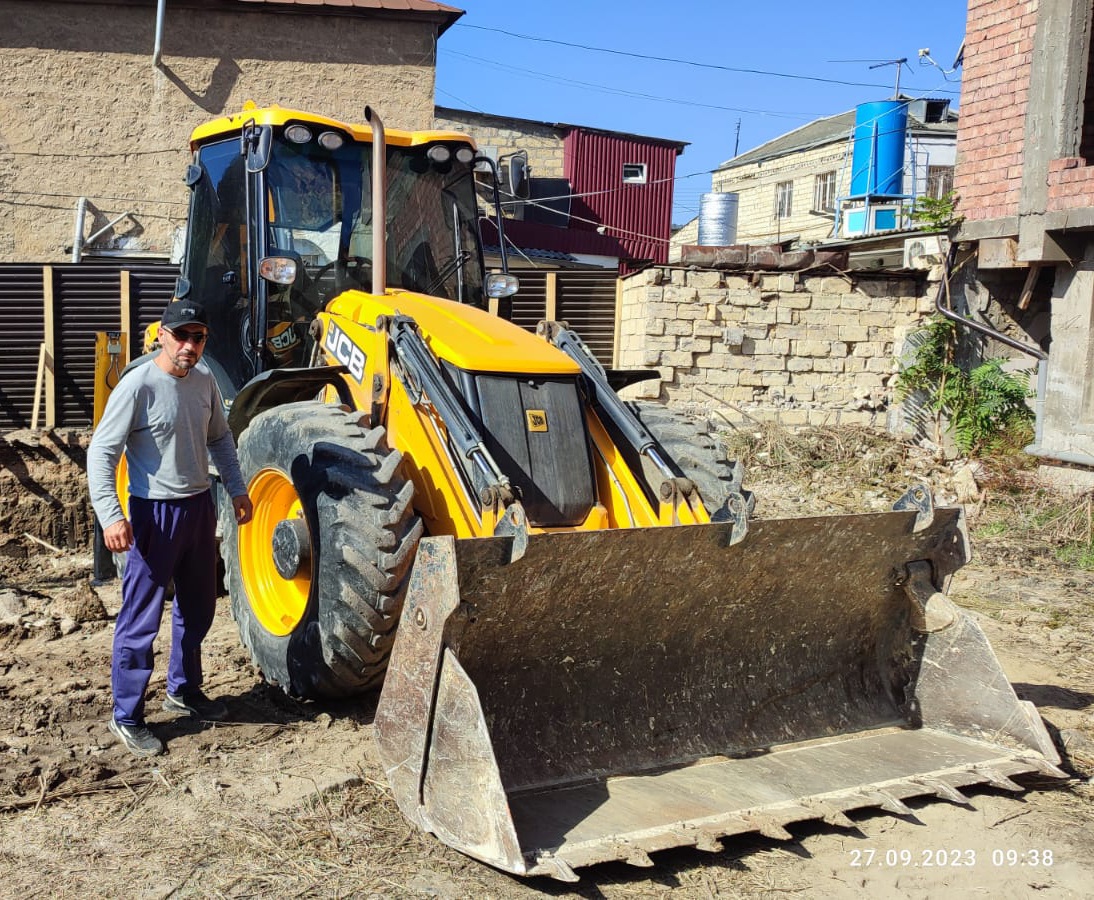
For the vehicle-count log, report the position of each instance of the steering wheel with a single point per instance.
(356, 269)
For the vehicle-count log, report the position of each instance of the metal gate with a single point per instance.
(49, 316)
(48, 319)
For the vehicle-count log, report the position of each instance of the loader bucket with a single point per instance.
(619, 692)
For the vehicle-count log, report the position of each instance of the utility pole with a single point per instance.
(737, 139)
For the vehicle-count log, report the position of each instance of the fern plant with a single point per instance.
(984, 408)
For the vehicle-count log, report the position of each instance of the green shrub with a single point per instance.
(985, 408)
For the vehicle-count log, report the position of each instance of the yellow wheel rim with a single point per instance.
(278, 602)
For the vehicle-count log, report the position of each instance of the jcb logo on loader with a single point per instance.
(537, 419)
(345, 351)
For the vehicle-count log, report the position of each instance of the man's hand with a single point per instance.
(244, 509)
(118, 537)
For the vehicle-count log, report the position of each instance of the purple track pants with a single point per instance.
(171, 539)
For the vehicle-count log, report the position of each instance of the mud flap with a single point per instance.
(614, 693)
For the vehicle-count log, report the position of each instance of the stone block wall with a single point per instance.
(795, 348)
(84, 113)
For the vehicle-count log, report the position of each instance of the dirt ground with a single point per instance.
(288, 799)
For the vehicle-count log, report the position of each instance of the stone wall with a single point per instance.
(795, 348)
(84, 113)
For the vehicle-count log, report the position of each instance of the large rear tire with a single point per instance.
(317, 578)
(700, 454)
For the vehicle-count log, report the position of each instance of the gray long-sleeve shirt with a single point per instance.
(168, 428)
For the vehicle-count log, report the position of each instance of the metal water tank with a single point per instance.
(877, 158)
(718, 220)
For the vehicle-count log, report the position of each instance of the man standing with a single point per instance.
(168, 418)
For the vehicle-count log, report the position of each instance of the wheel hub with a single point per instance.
(291, 547)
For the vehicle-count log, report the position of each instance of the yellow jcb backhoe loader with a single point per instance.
(587, 650)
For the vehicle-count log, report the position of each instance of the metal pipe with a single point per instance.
(157, 50)
(944, 288)
(379, 202)
(78, 230)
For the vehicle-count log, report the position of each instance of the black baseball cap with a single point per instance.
(183, 312)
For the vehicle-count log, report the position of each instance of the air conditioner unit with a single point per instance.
(924, 252)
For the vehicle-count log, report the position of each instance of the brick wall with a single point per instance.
(798, 349)
(84, 113)
(995, 94)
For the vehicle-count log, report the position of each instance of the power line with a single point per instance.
(621, 91)
(669, 59)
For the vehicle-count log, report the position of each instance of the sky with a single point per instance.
(671, 72)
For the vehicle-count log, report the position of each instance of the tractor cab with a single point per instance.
(281, 222)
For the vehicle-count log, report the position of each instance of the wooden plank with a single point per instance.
(38, 385)
(617, 327)
(1027, 288)
(49, 341)
(552, 297)
(125, 306)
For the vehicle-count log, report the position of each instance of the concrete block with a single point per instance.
(677, 358)
(674, 294)
(714, 360)
(678, 276)
(744, 298)
(655, 326)
(733, 336)
(759, 316)
(853, 333)
(775, 379)
(692, 311)
(704, 278)
(678, 327)
(704, 328)
(788, 283)
(797, 301)
(811, 348)
(651, 358)
(826, 301)
(785, 315)
(693, 345)
(799, 364)
(793, 417)
(838, 364)
(854, 301)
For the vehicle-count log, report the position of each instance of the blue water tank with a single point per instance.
(877, 160)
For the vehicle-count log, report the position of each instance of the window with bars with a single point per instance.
(824, 192)
(784, 199)
(939, 181)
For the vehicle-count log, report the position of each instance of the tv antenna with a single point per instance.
(899, 63)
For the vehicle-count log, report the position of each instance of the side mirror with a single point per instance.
(278, 269)
(499, 285)
(518, 176)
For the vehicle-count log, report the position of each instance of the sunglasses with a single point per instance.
(189, 337)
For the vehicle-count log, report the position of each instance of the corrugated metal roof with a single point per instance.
(828, 130)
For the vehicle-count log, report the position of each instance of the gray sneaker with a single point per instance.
(196, 704)
(138, 739)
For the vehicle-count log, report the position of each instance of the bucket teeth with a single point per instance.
(947, 792)
(768, 826)
(888, 802)
(709, 843)
(831, 815)
(639, 857)
(559, 869)
(998, 780)
(1039, 764)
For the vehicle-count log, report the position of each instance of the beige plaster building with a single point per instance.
(789, 187)
(86, 112)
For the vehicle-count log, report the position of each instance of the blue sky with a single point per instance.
(481, 68)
